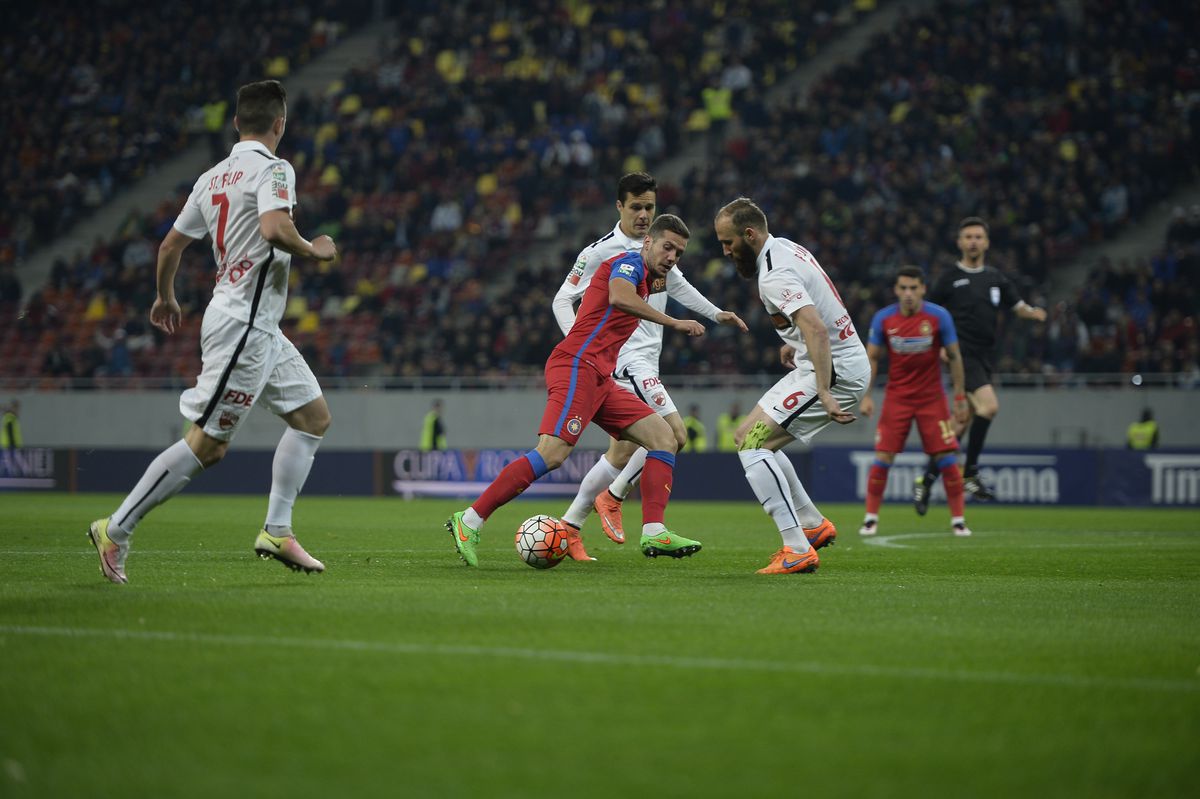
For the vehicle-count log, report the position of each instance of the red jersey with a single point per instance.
(913, 345)
(600, 330)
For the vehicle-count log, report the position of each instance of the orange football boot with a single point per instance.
(823, 535)
(575, 550)
(609, 509)
(789, 561)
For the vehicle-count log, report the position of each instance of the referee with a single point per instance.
(974, 293)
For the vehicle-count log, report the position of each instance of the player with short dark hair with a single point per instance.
(581, 390)
(974, 293)
(911, 332)
(244, 203)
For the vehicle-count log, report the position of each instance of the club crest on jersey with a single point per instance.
(574, 425)
(279, 186)
(926, 328)
(994, 291)
(659, 399)
(227, 421)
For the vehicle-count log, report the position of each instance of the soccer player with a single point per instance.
(245, 204)
(581, 389)
(830, 374)
(912, 332)
(619, 469)
(973, 293)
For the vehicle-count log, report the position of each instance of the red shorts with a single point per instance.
(933, 423)
(577, 394)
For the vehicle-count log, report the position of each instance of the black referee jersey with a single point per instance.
(974, 299)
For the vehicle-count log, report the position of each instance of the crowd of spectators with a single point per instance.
(96, 94)
(481, 133)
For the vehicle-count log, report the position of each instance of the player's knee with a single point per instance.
(212, 454)
(554, 457)
(321, 423)
(664, 441)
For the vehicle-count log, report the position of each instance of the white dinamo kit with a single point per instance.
(789, 278)
(637, 363)
(246, 358)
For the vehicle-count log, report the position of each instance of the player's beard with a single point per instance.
(746, 268)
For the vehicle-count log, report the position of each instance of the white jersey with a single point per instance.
(789, 278)
(226, 203)
(645, 344)
(586, 264)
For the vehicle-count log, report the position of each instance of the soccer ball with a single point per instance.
(541, 541)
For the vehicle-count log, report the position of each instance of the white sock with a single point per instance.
(871, 517)
(771, 487)
(293, 460)
(957, 520)
(653, 528)
(630, 475)
(472, 519)
(807, 512)
(595, 481)
(165, 477)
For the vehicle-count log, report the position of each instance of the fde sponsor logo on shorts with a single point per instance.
(235, 397)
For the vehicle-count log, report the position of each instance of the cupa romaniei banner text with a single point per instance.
(467, 472)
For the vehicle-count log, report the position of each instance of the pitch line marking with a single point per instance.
(1150, 684)
(892, 541)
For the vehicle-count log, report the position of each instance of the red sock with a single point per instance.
(657, 476)
(876, 483)
(512, 480)
(952, 480)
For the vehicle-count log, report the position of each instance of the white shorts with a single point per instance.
(641, 379)
(793, 403)
(243, 367)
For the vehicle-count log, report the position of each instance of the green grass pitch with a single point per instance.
(1055, 653)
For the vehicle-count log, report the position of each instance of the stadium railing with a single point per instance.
(527, 382)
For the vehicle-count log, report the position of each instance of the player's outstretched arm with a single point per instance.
(279, 229)
(730, 318)
(624, 297)
(1027, 311)
(681, 290)
(165, 313)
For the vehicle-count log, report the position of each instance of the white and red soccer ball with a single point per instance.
(542, 541)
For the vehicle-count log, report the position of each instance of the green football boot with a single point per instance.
(465, 538)
(669, 544)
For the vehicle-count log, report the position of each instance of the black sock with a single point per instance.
(931, 471)
(979, 430)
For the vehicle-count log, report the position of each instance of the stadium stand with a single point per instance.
(438, 166)
(97, 93)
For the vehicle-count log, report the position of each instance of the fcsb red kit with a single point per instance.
(579, 384)
(914, 388)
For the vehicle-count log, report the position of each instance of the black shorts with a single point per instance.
(977, 368)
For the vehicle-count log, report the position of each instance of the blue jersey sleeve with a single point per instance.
(945, 323)
(629, 267)
(876, 335)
